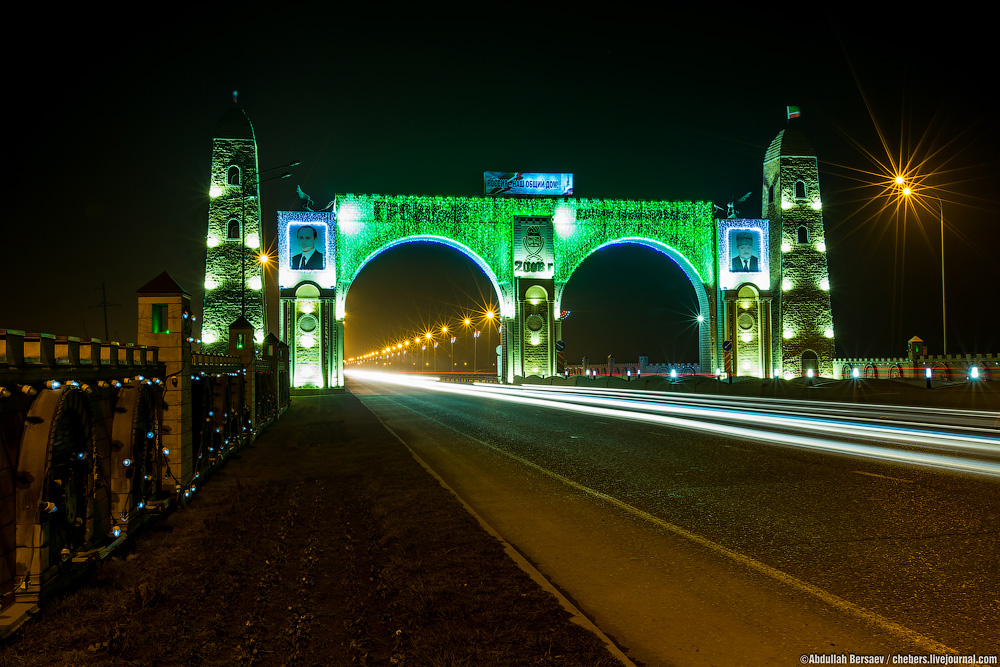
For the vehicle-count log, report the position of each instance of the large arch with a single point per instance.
(696, 280)
(344, 284)
(517, 242)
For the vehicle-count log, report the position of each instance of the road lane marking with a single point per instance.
(838, 603)
(875, 474)
(576, 614)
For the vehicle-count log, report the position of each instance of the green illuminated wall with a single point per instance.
(481, 227)
(369, 224)
(231, 248)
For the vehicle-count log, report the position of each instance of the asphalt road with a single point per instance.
(694, 547)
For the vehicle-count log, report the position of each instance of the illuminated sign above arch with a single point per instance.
(524, 184)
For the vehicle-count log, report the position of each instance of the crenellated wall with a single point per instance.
(944, 368)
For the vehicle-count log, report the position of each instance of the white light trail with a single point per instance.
(692, 419)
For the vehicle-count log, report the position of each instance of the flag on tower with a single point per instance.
(793, 112)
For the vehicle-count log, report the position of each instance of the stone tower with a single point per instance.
(803, 336)
(234, 280)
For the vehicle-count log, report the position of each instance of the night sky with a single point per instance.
(112, 139)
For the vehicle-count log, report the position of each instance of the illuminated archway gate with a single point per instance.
(528, 247)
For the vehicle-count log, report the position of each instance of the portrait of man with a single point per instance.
(745, 260)
(309, 259)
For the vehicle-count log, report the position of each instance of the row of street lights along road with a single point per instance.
(399, 350)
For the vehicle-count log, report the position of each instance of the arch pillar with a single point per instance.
(531, 335)
(748, 323)
(315, 335)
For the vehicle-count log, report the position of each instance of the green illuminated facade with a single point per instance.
(483, 228)
(765, 315)
(233, 276)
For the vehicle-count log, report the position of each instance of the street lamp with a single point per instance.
(475, 351)
(944, 317)
(243, 226)
(444, 332)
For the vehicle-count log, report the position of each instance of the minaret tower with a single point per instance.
(803, 337)
(234, 280)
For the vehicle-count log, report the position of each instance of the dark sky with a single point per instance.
(112, 142)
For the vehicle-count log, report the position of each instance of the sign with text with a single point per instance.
(532, 246)
(525, 184)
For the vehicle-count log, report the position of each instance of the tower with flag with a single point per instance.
(803, 337)
(234, 279)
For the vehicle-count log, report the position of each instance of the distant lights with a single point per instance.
(820, 246)
(746, 337)
(785, 205)
(210, 337)
(211, 283)
(213, 241)
(786, 247)
(855, 373)
(253, 241)
(788, 333)
(214, 191)
(817, 205)
(255, 283)
(824, 284)
(786, 285)
(828, 332)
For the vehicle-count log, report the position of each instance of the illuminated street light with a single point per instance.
(944, 317)
(475, 351)
(243, 223)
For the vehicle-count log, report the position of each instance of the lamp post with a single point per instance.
(944, 315)
(444, 332)
(490, 316)
(475, 351)
(243, 225)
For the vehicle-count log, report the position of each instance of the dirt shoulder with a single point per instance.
(323, 543)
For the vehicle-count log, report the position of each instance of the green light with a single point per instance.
(481, 228)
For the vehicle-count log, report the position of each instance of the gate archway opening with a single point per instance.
(636, 297)
(403, 294)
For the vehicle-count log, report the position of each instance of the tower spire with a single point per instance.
(234, 280)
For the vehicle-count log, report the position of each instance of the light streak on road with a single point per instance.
(707, 420)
